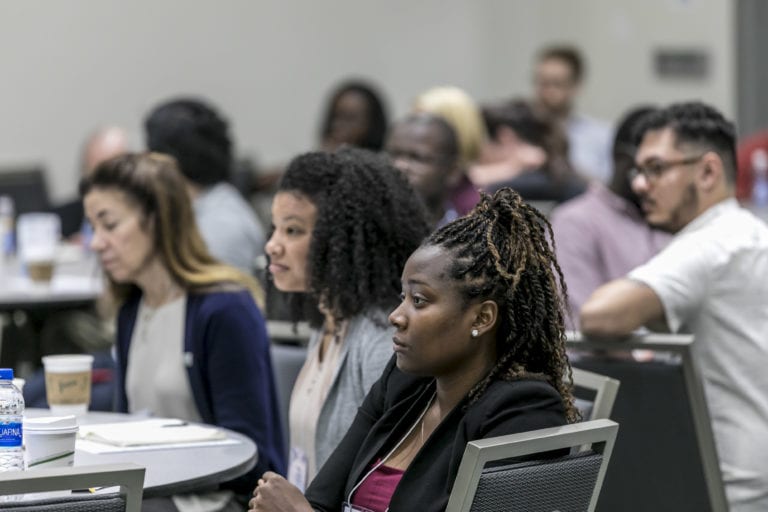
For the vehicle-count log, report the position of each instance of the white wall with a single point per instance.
(69, 66)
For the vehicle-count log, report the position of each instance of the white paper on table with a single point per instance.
(150, 432)
(76, 284)
(99, 448)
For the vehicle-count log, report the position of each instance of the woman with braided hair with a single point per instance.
(479, 352)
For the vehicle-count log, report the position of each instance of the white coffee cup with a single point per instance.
(49, 441)
(38, 236)
(68, 383)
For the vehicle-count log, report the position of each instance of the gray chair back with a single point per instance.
(287, 361)
(538, 484)
(129, 477)
(603, 390)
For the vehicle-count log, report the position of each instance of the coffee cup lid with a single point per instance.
(50, 423)
(68, 362)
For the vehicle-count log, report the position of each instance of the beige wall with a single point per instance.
(72, 65)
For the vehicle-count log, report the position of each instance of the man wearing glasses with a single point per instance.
(709, 281)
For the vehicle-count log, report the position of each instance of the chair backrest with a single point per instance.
(287, 361)
(603, 390)
(129, 477)
(27, 187)
(290, 333)
(665, 457)
(570, 483)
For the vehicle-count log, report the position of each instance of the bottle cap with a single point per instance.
(6, 373)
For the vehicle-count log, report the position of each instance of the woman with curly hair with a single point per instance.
(480, 352)
(343, 225)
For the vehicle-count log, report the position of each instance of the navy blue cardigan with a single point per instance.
(230, 371)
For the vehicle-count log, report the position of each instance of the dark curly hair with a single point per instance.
(195, 134)
(503, 251)
(369, 220)
(377, 112)
(697, 124)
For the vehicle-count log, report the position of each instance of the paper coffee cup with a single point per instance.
(49, 441)
(68, 383)
(38, 236)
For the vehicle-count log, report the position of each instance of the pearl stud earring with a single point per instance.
(475, 333)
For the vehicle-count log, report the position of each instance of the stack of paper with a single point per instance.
(150, 432)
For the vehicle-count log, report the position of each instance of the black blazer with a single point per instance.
(394, 404)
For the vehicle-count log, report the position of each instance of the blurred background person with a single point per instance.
(344, 224)
(101, 145)
(197, 136)
(602, 234)
(356, 116)
(531, 153)
(558, 76)
(460, 111)
(426, 149)
(191, 342)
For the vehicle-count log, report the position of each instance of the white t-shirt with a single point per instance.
(712, 280)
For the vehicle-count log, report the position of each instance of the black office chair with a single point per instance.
(27, 187)
(665, 457)
(287, 361)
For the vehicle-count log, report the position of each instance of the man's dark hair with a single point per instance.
(369, 221)
(624, 149)
(697, 124)
(568, 54)
(195, 134)
(377, 129)
(533, 126)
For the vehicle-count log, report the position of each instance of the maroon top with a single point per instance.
(377, 489)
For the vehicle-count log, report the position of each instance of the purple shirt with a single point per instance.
(464, 196)
(599, 237)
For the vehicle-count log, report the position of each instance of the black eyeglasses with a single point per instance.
(653, 170)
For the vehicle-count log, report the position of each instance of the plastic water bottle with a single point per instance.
(11, 418)
(7, 211)
(760, 178)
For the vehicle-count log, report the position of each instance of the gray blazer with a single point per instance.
(367, 348)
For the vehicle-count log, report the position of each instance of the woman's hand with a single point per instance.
(274, 493)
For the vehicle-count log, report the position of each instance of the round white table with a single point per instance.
(172, 470)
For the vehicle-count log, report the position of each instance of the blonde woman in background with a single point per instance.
(460, 111)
